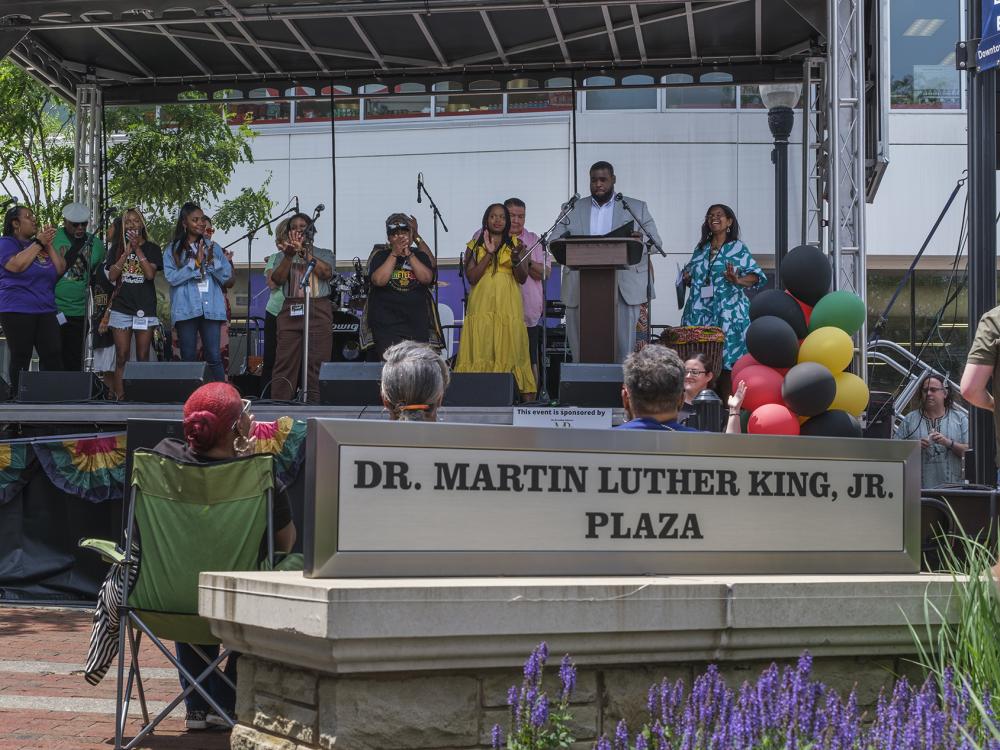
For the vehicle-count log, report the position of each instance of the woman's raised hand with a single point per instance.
(46, 236)
(491, 244)
(735, 401)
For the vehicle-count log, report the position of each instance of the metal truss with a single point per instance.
(846, 168)
(815, 153)
(87, 167)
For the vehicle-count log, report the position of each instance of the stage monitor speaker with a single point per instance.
(55, 387)
(163, 382)
(879, 416)
(588, 384)
(480, 389)
(350, 384)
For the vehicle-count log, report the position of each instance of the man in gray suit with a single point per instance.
(598, 215)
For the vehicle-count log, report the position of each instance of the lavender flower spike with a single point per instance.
(603, 744)
(567, 675)
(621, 736)
(540, 712)
(497, 736)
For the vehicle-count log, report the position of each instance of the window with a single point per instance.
(526, 96)
(468, 103)
(699, 97)
(345, 108)
(261, 113)
(922, 54)
(638, 98)
(394, 108)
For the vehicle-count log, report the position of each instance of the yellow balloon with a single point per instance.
(852, 393)
(829, 346)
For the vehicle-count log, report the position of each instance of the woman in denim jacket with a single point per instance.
(196, 270)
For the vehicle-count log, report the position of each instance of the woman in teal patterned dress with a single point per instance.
(720, 271)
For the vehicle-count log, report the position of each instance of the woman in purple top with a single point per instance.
(29, 270)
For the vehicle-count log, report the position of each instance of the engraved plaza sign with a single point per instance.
(404, 499)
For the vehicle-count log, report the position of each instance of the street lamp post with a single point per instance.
(780, 99)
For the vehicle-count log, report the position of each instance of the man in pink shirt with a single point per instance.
(539, 267)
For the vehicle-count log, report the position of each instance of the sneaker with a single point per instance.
(195, 720)
(214, 720)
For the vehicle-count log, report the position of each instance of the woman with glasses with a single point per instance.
(698, 376)
(943, 432)
(196, 270)
(132, 265)
(719, 273)
(494, 338)
(29, 269)
(400, 306)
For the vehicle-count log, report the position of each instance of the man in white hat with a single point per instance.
(83, 252)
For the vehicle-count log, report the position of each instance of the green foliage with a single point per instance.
(36, 142)
(155, 161)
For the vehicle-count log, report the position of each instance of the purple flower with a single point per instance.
(497, 736)
(512, 695)
(640, 742)
(540, 711)
(533, 667)
(567, 675)
(603, 743)
(621, 736)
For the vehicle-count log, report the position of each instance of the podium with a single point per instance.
(597, 259)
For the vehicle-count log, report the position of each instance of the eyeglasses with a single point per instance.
(397, 228)
(244, 412)
(696, 373)
(932, 389)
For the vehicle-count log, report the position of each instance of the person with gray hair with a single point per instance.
(414, 379)
(653, 390)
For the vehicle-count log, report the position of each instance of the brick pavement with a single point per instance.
(46, 703)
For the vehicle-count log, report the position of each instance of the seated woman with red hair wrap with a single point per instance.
(217, 424)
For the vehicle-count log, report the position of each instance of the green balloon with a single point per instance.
(839, 309)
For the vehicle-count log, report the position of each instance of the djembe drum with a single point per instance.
(690, 340)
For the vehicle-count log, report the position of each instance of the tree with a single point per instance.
(156, 159)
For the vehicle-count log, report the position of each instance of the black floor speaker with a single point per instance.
(587, 384)
(350, 384)
(879, 416)
(163, 382)
(55, 387)
(480, 389)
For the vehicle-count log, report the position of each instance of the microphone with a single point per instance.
(6, 203)
(619, 197)
(318, 210)
(307, 272)
(571, 202)
(296, 203)
(420, 182)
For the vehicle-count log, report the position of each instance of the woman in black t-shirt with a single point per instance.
(132, 265)
(400, 306)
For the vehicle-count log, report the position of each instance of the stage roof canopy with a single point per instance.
(144, 50)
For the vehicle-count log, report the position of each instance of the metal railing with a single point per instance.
(913, 369)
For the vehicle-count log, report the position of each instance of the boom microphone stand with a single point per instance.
(306, 286)
(543, 240)
(249, 237)
(651, 245)
(421, 189)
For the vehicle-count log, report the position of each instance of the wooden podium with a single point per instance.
(597, 259)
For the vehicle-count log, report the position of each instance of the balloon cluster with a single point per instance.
(799, 345)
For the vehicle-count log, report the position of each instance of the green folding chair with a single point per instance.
(189, 518)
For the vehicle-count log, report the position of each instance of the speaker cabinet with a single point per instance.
(55, 387)
(587, 384)
(163, 382)
(350, 384)
(878, 416)
(480, 389)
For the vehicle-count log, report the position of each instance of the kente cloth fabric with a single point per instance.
(92, 468)
(285, 439)
(494, 338)
(16, 461)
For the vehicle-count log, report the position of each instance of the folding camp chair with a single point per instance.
(189, 518)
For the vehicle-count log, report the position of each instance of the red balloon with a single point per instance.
(745, 361)
(773, 419)
(763, 386)
(806, 309)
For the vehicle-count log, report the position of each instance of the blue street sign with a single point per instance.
(988, 54)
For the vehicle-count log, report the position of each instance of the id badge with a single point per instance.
(203, 286)
(297, 310)
(140, 323)
(61, 318)
(707, 292)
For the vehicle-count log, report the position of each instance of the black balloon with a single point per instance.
(834, 423)
(806, 273)
(809, 389)
(777, 303)
(772, 342)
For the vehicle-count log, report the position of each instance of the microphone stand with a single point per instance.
(307, 289)
(88, 344)
(650, 245)
(249, 237)
(543, 240)
(437, 218)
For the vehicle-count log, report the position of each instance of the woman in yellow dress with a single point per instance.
(494, 338)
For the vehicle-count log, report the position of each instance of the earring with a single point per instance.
(728, 230)
(241, 444)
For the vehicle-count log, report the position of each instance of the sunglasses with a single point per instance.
(397, 228)
(244, 412)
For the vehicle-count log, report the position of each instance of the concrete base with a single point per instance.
(421, 663)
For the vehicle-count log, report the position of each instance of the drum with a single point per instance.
(346, 337)
(690, 340)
